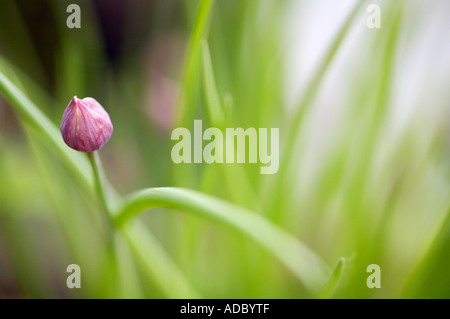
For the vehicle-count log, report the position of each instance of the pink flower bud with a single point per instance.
(85, 125)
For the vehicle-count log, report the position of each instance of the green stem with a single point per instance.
(101, 185)
(309, 268)
(100, 182)
(157, 264)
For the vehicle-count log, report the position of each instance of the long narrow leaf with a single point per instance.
(41, 125)
(210, 87)
(191, 70)
(296, 256)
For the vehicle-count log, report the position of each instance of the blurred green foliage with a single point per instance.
(358, 178)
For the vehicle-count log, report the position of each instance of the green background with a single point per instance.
(363, 117)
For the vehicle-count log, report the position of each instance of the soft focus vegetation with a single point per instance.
(364, 154)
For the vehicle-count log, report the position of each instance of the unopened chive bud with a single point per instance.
(85, 125)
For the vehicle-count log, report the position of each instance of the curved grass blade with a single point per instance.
(48, 132)
(308, 267)
(333, 282)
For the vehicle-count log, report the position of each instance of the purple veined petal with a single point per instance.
(85, 125)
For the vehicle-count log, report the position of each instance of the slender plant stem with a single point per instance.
(100, 182)
(161, 269)
(102, 187)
